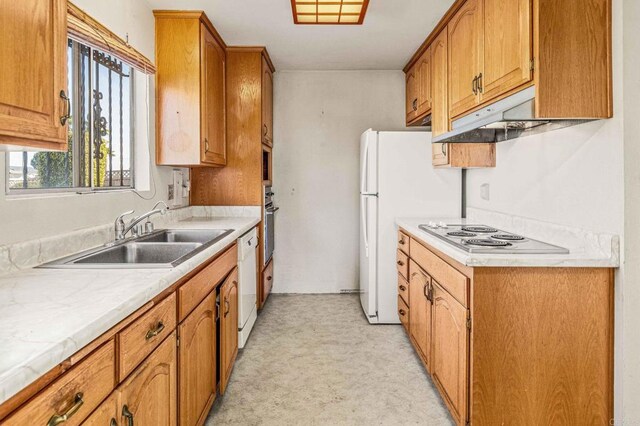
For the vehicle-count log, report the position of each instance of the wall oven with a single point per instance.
(269, 222)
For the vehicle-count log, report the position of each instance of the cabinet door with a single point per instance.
(228, 328)
(449, 366)
(106, 414)
(424, 83)
(439, 89)
(33, 73)
(197, 362)
(149, 395)
(412, 94)
(213, 126)
(267, 104)
(507, 46)
(465, 57)
(440, 154)
(420, 312)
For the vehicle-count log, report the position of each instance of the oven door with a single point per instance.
(269, 222)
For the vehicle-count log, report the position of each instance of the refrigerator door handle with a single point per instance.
(365, 167)
(365, 224)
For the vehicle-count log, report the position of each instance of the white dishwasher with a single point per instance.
(247, 285)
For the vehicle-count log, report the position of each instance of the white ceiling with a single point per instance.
(392, 31)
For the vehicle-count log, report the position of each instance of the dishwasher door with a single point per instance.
(247, 285)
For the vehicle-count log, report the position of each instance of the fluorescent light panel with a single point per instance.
(336, 12)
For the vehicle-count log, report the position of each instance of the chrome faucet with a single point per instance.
(121, 230)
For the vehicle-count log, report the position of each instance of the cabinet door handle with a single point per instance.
(127, 415)
(227, 305)
(266, 130)
(57, 419)
(206, 145)
(400, 263)
(415, 104)
(401, 242)
(402, 312)
(269, 278)
(403, 288)
(67, 116)
(113, 422)
(155, 331)
(474, 85)
(443, 148)
(480, 88)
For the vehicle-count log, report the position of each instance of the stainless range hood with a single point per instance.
(509, 118)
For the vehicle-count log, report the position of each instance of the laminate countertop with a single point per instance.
(586, 250)
(47, 315)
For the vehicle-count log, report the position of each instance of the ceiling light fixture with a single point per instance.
(329, 12)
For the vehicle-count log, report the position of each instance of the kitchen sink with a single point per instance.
(165, 248)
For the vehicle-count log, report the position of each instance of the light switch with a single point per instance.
(485, 192)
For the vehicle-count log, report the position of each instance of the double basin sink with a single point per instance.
(165, 248)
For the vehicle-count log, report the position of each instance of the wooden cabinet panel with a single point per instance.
(403, 289)
(403, 313)
(412, 94)
(267, 103)
(465, 57)
(402, 264)
(424, 83)
(420, 314)
(267, 281)
(450, 351)
(228, 328)
(440, 154)
(145, 334)
(213, 121)
(197, 362)
(191, 293)
(439, 84)
(149, 395)
(77, 393)
(507, 46)
(33, 73)
(106, 414)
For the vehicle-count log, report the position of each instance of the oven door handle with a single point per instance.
(273, 210)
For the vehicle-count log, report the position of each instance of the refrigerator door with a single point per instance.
(408, 186)
(368, 225)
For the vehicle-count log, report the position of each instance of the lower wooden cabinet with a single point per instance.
(197, 366)
(420, 312)
(150, 395)
(228, 328)
(267, 281)
(450, 351)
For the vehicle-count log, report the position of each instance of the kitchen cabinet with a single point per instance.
(465, 57)
(267, 103)
(149, 395)
(267, 281)
(491, 326)
(190, 91)
(197, 366)
(412, 94)
(228, 328)
(420, 290)
(450, 347)
(33, 85)
(439, 81)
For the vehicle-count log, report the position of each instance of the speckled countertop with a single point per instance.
(46, 315)
(585, 249)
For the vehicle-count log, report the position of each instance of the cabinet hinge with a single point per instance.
(532, 65)
(469, 323)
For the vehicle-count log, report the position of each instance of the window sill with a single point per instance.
(39, 194)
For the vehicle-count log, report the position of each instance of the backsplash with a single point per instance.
(27, 254)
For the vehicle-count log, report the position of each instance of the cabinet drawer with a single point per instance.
(403, 313)
(140, 338)
(403, 289)
(402, 263)
(403, 242)
(446, 275)
(267, 281)
(191, 293)
(81, 389)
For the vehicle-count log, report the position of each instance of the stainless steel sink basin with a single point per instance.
(161, 249)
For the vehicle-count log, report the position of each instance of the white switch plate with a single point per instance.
(485, 191)
(178, 178)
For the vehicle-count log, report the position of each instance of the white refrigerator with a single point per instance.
(397, 180)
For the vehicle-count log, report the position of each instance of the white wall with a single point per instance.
(24, 218)
(319, 117)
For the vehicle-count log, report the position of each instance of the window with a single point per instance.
(100, 152)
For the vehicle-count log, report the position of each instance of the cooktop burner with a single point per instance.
(461, 234)
(478, 238)
(481, 229)
(487, 243)
(507, 237)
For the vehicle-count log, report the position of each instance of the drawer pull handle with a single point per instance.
(402, 242)
(57, 419)
(402, 312)
(155, 331)
(113, 422)
(400, 263)
(128, 415)
(269, 278)
(403, 288)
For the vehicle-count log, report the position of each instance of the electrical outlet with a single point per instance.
(178, 183)
(171, 194)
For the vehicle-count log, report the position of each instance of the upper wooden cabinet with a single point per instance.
(439, 82)
(412, 94)
(190, 91)
(33, 75)
(465, 57)
(419, 89)
(267, 103)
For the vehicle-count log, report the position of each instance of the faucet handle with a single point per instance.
(119, 225)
